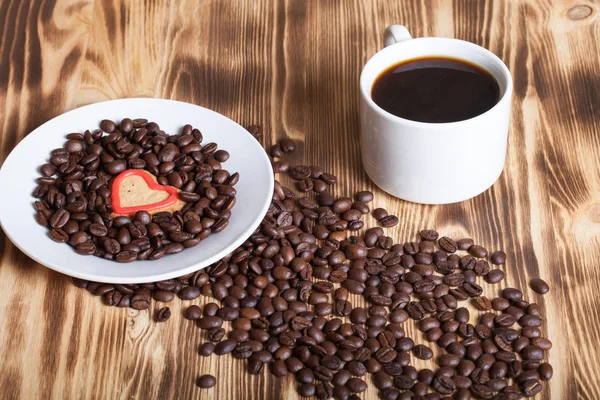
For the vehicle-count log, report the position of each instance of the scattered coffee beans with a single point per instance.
(285, 305)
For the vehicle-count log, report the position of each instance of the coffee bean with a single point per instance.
(429, 235)
(542, 343)
(287, 145)
(323, 373)
(278, 368)
(58, 235)
(422, 352)
(221, 155)
(379, 213)
(74, 146)
(404, 382)
(193, 312)
(531, 387)
(482, 391)
(389, 221)
(355, 252)
(472, 289)
(465, 244)
(530, 321)
(341, 393)
(444, 384)
(545, 371)
(306, 375)
(210, 322)
(364, 196)
(447, 244)
(512, 294)
(307, 390)
(385, 355)
(494, 276)
(356, 368)
(189, 293)
(141, 299)
(478, 251)
(280, 166)
(255, 130)
(329, 179)
(116, 167)
(163, 314)
(162, 296)
(498, 257)
(48, 170)
(78, 238)
(454, 280)
(371, 236)
(415, 310)
(483, 303)
(539, 286)
(59, 218)
(532, 353)
(225, 347)
(126, 256)
(300, 172)
(243, 350)
(207, 349)
(356, 385)
(206, 381)
(108, 126)
(353, 286)
(126, 125)
(86, 248)
(276, 151)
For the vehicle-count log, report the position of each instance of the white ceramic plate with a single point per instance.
(18, 174)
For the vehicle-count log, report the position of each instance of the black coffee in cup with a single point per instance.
(435, 90)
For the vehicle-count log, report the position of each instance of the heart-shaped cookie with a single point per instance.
(134, 190)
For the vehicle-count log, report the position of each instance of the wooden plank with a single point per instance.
(293, 66)
(42, 46)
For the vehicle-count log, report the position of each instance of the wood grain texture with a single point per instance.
(293, 66)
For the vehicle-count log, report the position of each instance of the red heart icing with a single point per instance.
(152, 184)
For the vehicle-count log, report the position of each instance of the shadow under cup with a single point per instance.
(434, 163)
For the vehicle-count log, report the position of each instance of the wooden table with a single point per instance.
(293, 66)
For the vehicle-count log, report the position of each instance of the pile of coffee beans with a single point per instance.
(283, 302)
(74, 192)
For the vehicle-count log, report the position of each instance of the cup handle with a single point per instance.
(394, 34)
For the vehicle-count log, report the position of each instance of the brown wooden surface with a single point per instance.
(293, 66)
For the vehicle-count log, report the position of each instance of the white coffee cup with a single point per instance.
(433, 163)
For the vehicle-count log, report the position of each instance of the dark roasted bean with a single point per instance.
(422, 352)
(389, 221)
(478, 251)
(206, 381)
(379, 213)
(539, 286)
(494, 276)
(162, 315)
(207, 349)
(448, 244)
(498, 257)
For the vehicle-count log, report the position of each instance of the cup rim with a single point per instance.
(506, 96)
